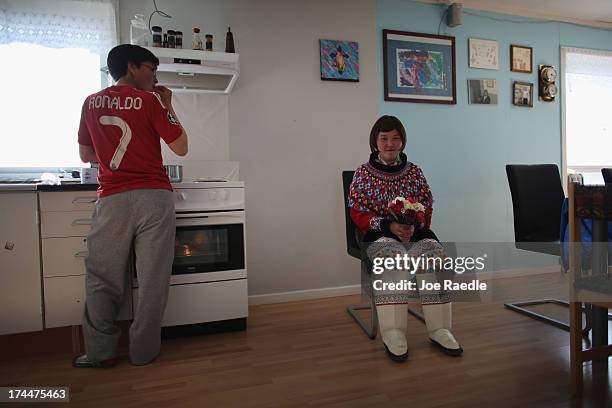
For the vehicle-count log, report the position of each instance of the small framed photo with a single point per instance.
(482, 91)
(521, 58)
(483, 53)
(339, 60)
(419, 67)
(522, 94)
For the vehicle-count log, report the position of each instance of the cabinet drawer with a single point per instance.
(64, 256)
(68, 201)
(61, 224)
(65, 301)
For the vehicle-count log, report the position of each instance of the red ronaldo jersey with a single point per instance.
(124, 126)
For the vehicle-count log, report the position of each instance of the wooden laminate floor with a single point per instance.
(311, 353)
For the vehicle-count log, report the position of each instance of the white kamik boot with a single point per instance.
(393, 321)
(438, 318)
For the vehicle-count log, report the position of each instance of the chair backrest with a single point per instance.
(607, 175)
(537, 200)
(352, 244)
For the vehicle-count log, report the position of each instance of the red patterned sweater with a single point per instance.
(375, 185)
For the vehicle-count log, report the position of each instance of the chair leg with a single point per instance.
(576, 349)
(416, 314)
(370, 329)
(517, 307)
(588, 314)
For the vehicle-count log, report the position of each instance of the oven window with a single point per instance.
(208, 248)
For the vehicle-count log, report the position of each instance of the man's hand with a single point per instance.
(403, 232)
(165, 95)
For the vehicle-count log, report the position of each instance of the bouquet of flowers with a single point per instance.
(407, 211)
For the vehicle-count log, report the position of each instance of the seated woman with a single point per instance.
(387, 175)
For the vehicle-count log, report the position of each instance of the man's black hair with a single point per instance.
(124, 54)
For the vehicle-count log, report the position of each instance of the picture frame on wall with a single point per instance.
(339, 60)
(483, 91)
(522, 94)
(521, 58)
(419, 67)
(483, 53)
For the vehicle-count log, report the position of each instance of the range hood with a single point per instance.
(196, 71)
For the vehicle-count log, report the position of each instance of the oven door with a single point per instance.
(209, 246)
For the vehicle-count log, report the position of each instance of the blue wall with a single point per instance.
(463, 149)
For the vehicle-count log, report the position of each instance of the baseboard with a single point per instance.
(309, 294)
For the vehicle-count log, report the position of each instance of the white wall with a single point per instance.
(292, 133)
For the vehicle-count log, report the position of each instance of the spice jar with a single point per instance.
(171, 39)
(157, 36)
(179, 39)
(197, 40)
(209, 42)
(165, 42)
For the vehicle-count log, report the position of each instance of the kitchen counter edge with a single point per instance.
(45, 187)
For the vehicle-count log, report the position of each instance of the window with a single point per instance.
(51, 53)
(587, 86)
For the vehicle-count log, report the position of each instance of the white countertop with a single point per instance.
(73, 186)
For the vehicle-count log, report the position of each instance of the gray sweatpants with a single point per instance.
(142, 221)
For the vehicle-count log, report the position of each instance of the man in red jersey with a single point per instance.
(120, 128)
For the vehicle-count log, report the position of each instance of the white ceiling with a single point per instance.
(591, 12)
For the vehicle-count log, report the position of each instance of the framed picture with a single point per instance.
(482, 91)
(521, 58)
(483, 54)
(522, 94)
(339, 60)
(419, 67)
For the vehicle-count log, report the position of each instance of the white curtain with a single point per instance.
(88, 24)
(587, 83)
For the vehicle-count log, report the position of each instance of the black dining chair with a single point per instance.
(607, 175)
(354, 249)
(537, 202)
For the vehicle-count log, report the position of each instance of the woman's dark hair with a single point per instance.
(124, 54)
(386, 123)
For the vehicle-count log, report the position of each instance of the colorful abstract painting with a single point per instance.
(339, 60)
(419, 67)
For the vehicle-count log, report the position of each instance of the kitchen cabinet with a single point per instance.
(20, 284)
(65, 222)
(65, 301)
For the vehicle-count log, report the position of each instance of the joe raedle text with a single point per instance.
(447, 285)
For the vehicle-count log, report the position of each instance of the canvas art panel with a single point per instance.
(339, 60)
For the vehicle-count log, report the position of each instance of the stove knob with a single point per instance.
(181, 196)
(223, 194)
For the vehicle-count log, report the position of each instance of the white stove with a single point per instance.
(209, 276)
